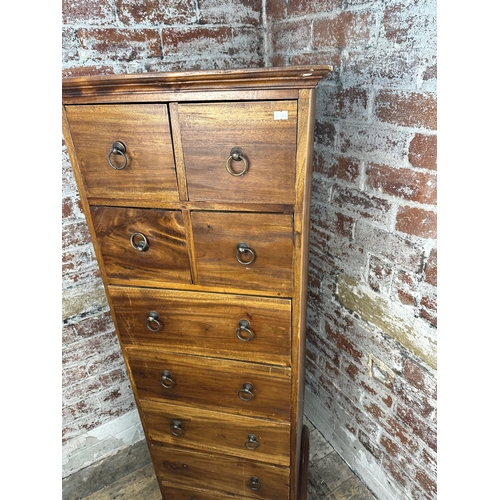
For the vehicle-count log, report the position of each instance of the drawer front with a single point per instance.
(149, 171)
(215, 432)
(266, 133)
(177, 493)
(244, 250)
(227, 476)
(209, 324)
(140, 245)
(215, 384)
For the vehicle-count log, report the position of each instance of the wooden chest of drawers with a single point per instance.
(196, 191)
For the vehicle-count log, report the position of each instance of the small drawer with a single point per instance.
(210, 324)
(264, 131)
(141, 246)
(244, 250)
(216, 384)
(215, 432)
(143, 171)
(222, 475)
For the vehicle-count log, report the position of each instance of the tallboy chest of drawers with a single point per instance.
(196, 191)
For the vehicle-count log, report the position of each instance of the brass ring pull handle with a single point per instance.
(118, 148)
(254, 483)
(236, 154)
(142, 244)
(246, 393)
(252, 443)
(166, 380)
(176, 428)
(152, 322)
(243, 248)
(244, 327)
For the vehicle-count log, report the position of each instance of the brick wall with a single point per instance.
(371, 341)
(371, 359)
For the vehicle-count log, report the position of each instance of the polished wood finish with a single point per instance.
(145, 131)
(164, 261)
(217, 432)
(206, 324)
(216, 473)
(180, 302)
(269, 236)
(211, 383)
(209, 131)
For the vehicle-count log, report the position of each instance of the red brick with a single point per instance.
(343, 225)
(393, 467)
(423, 151)
(420, 378)
(428, 307)
(332, 57)
(417, 221)
(90, 327)
(398, 432)
(155, 12)
(405, 286)
(350, 102)
(403, 183)
(364, 205)
(419, 428)
(430, 272)
(379, 273)
(415, 400)
(87, 11)
(197, 40)
(408, 109)
(120, 44)
(290, 36)
(276, 9)
(231, 12)
(301, 7)
(345, 30)
(342, 342)
(427, 483)
(409, 22)
(75, 234)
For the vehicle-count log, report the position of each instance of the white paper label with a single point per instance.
(281, 115)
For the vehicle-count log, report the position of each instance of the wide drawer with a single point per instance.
(145, 171)
(142, 245)
(226, 476)
(215, 432)
(265, 131)
(210, 324)
(244, 250)
(177, 493)
(215, 384)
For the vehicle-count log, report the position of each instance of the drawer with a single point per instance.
(244, 250)
(215, 432)
(210, 324)
(149, 171)
(266, 133)
(176, 493)
(226, 476)
(231, 386)
(142, 245)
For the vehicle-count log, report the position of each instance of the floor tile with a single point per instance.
(352, 489)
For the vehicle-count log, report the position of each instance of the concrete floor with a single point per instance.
(329, 478)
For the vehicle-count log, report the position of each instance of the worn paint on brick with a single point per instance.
(394, 321)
